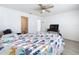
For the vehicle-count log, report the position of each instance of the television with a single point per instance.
(54, 27)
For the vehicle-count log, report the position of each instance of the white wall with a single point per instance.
(1, 21)
(11, 19)
(68, 23)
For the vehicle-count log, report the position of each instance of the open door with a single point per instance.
(24, 24)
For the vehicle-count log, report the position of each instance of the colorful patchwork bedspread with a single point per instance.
(32, 44)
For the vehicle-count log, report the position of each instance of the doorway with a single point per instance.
(24, 24)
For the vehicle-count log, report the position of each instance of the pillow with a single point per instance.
(9, 37)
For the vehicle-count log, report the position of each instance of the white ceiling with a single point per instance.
(32, 8)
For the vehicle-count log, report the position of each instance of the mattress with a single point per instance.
(32, 44)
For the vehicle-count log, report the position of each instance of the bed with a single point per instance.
(41, 43)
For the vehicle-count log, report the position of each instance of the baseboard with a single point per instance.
(71, 39)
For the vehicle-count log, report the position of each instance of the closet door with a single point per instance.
(24, 24)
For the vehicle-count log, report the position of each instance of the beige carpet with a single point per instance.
(71, 47)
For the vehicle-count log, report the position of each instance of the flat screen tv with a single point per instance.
(54, 27)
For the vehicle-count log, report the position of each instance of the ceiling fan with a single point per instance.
(45, 7)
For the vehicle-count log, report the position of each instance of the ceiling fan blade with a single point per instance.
(40, 5)
(49, 7)
(47, 10)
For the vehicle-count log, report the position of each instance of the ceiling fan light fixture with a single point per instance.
(43, 11)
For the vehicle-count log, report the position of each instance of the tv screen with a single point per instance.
(54, 26)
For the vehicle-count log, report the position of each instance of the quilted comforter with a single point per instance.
(32, 44)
